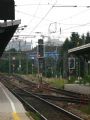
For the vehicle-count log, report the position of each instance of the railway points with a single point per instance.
(22, 95)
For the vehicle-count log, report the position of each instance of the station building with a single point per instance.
(79, 60)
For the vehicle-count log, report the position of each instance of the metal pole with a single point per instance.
(9, 63)
(19, 57)
(38, 61)
(56, 63)
(32, 69)
(79, 70)
(60, 73)
(26, 65)
(44, 62)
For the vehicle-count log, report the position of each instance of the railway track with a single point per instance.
(45, 109)
(64, 99)
(68, 93)
(61, 95)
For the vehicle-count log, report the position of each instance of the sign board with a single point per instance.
(71, 63)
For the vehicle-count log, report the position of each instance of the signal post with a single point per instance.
(71, 64)
(40, 56)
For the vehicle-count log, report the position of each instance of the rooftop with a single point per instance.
(81, 49)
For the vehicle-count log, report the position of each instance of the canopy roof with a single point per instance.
(7, 30)
(84, 49)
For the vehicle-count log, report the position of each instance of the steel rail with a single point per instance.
(75, 97)
(69, 114)
(25, 103)
(63, 98)
(56, 90)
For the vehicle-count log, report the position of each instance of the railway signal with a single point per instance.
(40, 49)
(40, 56)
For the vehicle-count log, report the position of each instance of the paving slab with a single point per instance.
(78, 88)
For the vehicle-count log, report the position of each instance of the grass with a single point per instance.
(35, 116)
(55, 82)
(85, 109)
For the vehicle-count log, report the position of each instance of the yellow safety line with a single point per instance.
(15, 116)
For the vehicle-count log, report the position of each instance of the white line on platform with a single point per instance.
(11, 102)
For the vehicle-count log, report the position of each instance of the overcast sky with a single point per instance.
(39, 16)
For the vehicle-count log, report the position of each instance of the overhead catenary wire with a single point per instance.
(34, 15)
(43, 17)
(60, 21)
(76, 26)
(22, 5)
(58, 5)
(64, 29)
(81, 25)
(19, 11)
(75, 15)
(73, 6)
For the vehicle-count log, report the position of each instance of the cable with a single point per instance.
(34, 15)
(58, 5)
(74, 6)
(18, 11)
(70, 17)
(81, 12)
(81, 25)
(43, 17)
(33, 5)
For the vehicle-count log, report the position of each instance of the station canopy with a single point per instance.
(7, 29)
(7, 10)
(84, 49)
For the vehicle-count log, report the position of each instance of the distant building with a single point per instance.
(53, 42)
(19, 45)
(52, 48)
(52, 54)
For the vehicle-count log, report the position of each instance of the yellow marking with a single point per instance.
(15, 116)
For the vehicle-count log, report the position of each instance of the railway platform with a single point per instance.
(10, 107)
(78, 88)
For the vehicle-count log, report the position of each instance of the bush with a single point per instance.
(85, 109)
(72, 80)
(86, 79)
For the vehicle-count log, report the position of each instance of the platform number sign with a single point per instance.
(71, 63)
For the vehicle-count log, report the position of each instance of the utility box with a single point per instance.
(7, 10)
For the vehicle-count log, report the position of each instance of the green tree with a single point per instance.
(87, 38)
(83, 38)
(4, 65)
(64, 58)
(75, 39)
(66, 44)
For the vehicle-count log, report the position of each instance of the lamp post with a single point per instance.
(9, 63)
(19, 40)
(13, 65)
(26, 63)
(32, 64)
